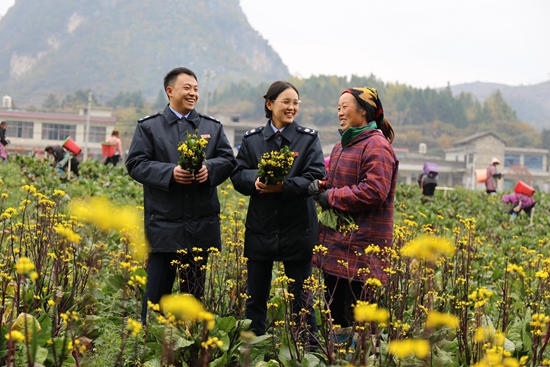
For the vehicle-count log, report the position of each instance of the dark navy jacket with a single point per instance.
(280, 226)
(179, 216)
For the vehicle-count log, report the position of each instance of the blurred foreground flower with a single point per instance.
(24, 265)
(16, 336)
(67, 233)
(441, 319)
(187, 308)
(428, 248)
(106, 216)
(407, 347)
(367, 312)
(24, 322)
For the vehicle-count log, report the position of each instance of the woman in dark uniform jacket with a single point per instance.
(281, 223)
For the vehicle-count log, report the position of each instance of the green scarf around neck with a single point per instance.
(352, 132)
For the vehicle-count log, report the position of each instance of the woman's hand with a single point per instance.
(268, 189)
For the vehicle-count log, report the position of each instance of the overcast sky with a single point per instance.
(421, 43)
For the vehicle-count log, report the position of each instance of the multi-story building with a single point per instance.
(31, 131)
(458, 166)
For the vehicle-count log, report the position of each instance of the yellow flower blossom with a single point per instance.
(134, 326)
(428, 248)
(369, 312)
(16, 336)
(24, 265)
(441, 319)
(408, 347)
(186, 307)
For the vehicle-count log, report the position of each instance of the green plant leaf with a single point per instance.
(41, 355)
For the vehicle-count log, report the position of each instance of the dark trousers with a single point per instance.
(113, 160)
(162, 269)
(259, 286)
(341, 296)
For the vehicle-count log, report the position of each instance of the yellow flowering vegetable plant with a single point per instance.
(192, 153)
(274, 166)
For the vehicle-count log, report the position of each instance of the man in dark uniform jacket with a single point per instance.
(182, 210)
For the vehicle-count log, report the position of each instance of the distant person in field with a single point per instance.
(361, 183)
(3, 141)
(520, 202)
(182, 210)
(61, 159)
(115, 139)
(281, 224)
(427, 183)
(492, 176)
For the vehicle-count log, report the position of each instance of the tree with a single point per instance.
(79, 98)
(161, 101)
(127, 99)
(50, 103)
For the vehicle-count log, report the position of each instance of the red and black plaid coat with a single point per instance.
(361, 178)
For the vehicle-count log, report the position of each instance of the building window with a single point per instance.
(20, 129)
(58, 131)
(511, 160)
(97, 134)
(508, 184)
(532, 161)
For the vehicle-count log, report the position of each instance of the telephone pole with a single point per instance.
(87, 131)
(208, 74)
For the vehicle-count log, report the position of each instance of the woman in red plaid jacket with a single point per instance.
(360, 184)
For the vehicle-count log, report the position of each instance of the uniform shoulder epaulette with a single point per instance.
(148, 117)
(253, 131)
(209, 117)
(307, 130)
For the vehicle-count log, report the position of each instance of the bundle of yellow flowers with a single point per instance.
(192, 153)
(274, 166)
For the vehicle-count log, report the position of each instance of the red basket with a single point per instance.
(108, 149)
(523, 188)
(70, 145)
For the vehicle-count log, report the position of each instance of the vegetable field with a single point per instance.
(467, 286)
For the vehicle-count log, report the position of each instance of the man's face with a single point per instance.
(183, 94)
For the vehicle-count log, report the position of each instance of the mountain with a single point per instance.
(531, 102)
(108, 46)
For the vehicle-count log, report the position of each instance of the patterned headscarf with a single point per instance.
(368, 99)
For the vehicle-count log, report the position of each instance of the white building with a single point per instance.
(31, 132)
(458, 166)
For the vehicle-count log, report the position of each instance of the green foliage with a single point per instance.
(50, 103)
(78, 98)
(127, 99)
(85, 302)
(435, 117)
(161, 101)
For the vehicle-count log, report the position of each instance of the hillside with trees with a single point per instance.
(434, 117)
(109, 46)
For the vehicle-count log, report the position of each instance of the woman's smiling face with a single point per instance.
(348, 114)
(285, 108)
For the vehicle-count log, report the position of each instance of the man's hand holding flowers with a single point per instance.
(185, 177)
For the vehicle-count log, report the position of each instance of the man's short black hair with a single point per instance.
(173, 74)
(48, 148)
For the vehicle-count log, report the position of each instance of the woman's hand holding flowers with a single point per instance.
(263, 188)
